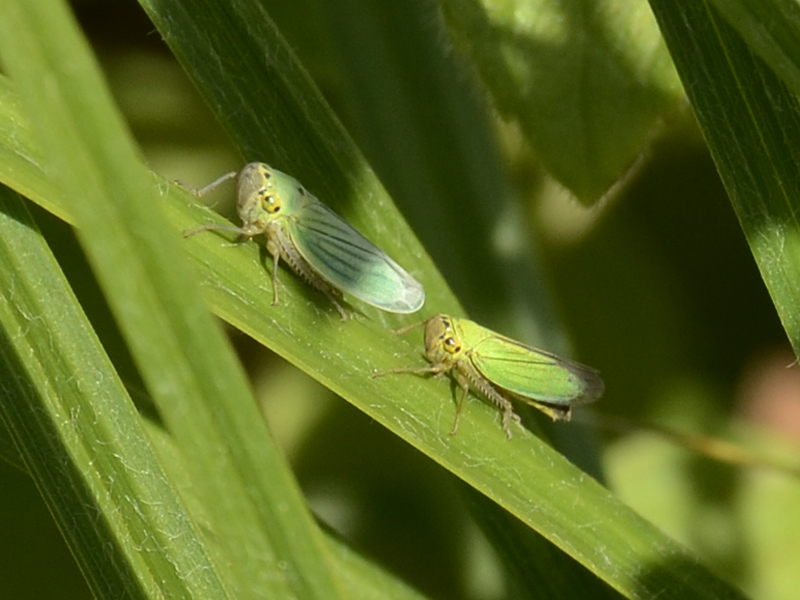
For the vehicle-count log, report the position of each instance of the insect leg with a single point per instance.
(508, 416)
(557, 413)
(211, 227)
(414, 370)
(281, 244)
(211, 186)
(407, 328)
(481, 384)
(338, 306)
(274, 249)
(464, 384)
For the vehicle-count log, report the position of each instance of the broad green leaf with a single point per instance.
(587, 81)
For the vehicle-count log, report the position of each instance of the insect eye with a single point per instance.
(270, 203)
(451, 345)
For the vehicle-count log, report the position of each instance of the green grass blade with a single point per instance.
(20, 159)
(81, 437)
(772, 30)
(363, 579)
(751, 122)
(269, 538)
(9, 451)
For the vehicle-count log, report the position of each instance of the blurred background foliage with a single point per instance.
(651, 277)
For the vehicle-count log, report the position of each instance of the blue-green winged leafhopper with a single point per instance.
(502, 369)
(315, 242)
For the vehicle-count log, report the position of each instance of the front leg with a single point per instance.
(275, 251)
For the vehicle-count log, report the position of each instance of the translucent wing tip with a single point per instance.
(410, 300)
(593, 386)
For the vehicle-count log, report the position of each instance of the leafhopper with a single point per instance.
(315, 242)
(502, 369)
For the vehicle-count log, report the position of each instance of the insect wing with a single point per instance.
(533, 374)
(350, 262)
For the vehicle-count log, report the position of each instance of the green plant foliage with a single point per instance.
(588, 81)
(172, 486)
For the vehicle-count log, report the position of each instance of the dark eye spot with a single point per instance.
(269, 203)
(451, 345)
